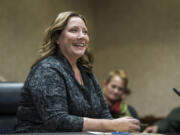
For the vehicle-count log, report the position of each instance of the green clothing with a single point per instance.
(171, 123)
(124, 110)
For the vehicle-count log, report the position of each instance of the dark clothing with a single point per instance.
(53, 100)
(171, 123)
(133, 112)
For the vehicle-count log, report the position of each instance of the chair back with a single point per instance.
(10, 95)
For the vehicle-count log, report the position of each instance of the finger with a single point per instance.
(135, 121)
(134, 128)
(147, 130)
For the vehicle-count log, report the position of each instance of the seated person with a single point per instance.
(61, 93)
(115, 92)
(170, 124)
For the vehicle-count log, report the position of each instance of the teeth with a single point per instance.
(81, 45)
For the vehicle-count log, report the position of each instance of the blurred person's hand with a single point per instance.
(151, 129)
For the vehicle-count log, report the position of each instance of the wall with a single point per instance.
(142, 37)
(22, 26)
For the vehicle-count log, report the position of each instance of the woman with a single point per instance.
(115, 91)
(61, 93)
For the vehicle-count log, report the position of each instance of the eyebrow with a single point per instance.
(76, 26)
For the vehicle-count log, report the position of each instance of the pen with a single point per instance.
(176, 91)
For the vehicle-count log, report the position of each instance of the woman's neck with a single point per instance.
(72, 61)
(77, 73)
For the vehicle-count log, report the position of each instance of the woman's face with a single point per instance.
(74, 38)
(114, 90)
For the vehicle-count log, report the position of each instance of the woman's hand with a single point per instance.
(151, 129)
(125, 124)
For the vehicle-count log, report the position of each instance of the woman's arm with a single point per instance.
(125, 124)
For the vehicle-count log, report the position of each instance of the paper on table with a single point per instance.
(110, 133)
(100, 133)
(121, 133)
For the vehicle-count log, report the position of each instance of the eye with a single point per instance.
(85, 32)
(113, 86)
(73, 30)
(121, 89)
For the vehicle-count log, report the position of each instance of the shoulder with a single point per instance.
(177, 109)
(48, 66)
(174, 113)
(50, 61)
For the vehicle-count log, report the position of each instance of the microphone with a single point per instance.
(176, 91)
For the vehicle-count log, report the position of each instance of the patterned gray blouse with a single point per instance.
(54, 101)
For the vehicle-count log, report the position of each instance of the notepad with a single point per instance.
(119, 133)
(100, 133)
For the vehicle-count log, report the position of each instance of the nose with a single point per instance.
(81, 35)
(116, 90)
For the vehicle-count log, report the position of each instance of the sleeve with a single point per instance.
(163, 126)
(133, 112)
(170, 123)
(174, 120)
(48, 90)
(105, 113)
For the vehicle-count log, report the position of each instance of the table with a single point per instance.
(81, 133)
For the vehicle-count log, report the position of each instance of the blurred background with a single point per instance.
(142, 37)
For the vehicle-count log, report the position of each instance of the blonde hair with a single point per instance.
(50, 47)
(120, 73)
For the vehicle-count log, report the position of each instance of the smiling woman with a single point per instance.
(74, 39)
(61, 93)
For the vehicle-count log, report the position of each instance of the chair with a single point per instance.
(9, 98)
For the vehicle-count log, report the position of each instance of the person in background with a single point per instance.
(169, 124)
(61, 93)
(115, 91)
